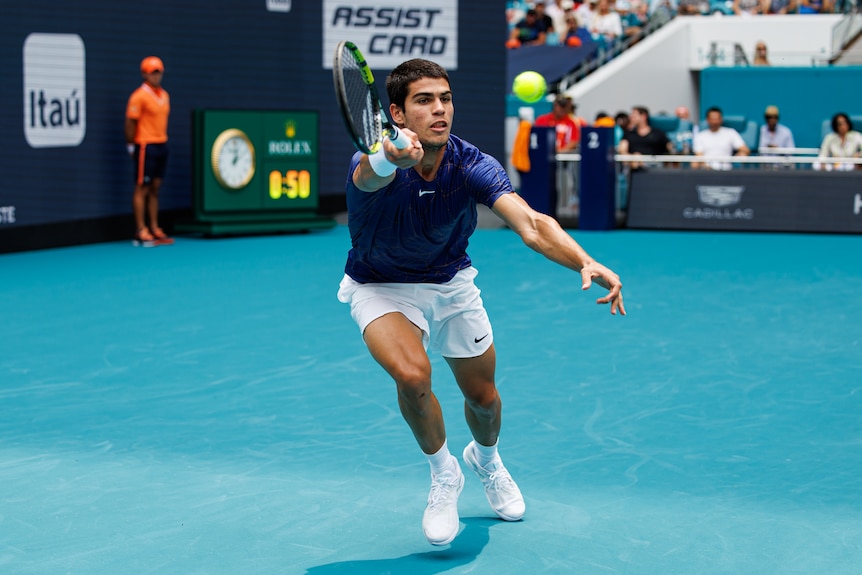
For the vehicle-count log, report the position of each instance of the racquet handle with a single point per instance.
(399, 139)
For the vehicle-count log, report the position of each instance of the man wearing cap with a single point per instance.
(773, 134)
(146, 138)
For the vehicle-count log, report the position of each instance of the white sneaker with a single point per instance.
(502, 492)
(440, 522)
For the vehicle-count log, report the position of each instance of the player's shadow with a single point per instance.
(464, 549)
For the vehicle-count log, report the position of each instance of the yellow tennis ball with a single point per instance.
(529, 87)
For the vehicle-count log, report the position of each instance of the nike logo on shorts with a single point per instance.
(478, 339)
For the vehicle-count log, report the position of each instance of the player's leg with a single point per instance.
(483, 411)
(482, 405)
(396, 344)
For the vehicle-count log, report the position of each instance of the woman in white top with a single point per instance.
(605, 23)
(842, 142)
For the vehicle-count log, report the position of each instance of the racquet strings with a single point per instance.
(363, 106)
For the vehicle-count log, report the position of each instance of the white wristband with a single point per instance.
(381, 166)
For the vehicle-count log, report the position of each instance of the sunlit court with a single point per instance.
(210, 407)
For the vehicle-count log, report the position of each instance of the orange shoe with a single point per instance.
(161, 237)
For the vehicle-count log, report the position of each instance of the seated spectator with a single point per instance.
(585, 13)
(642, 138)
(815, 6)
(718, 141)
(636, 20)
(842, 142)
(528, 32)
(605, 23)
(760, 56)
(773, 134)
(779, 6)
(689, 8)
(544, 19)
(747, 7)
(575, 35)
(562, 118)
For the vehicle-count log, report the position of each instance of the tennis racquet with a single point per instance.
(359, 101)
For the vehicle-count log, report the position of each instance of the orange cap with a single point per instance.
(151, 64)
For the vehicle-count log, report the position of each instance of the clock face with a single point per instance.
(233, 159)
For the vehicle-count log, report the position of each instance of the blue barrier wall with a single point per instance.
(235, 54)
(805, 96)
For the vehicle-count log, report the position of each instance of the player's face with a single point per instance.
(428, 111)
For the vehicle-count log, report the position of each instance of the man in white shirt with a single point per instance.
(718, 141)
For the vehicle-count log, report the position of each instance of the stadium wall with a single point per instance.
(66, 175)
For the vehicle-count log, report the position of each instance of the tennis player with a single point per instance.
(410, 283)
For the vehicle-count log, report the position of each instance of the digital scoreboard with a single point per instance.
(255, 171)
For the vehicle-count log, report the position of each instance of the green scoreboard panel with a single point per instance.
(255, 171)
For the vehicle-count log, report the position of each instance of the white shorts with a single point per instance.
(451, 316)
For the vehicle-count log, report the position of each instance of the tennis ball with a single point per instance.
(529, 87)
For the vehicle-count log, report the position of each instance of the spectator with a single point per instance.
(635, 21)
(585, 13)
(575, 34)
(528, 32)
(557, 13)
(642, 138)
(773, 134)
(689, 8)
(561, 118)
(761, 57)
(779, 6)
(842, 142)
(718, 141)
(747, 7)
(605, 23)
(815, 6)
(544, 19)
(568, 129)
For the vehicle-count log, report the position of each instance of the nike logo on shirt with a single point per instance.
(423, 192)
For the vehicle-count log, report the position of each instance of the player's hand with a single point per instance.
(594, 271)
(409, 156)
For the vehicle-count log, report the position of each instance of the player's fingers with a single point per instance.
(586, 279)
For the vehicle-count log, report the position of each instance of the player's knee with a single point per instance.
(484, 399)
(414, 383)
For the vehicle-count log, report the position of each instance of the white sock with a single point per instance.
(442, 460)
(485, 454)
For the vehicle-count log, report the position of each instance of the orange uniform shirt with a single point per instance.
(151, 108)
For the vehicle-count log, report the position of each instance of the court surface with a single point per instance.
(210, 408)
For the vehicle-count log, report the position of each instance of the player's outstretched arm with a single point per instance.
(545, 235)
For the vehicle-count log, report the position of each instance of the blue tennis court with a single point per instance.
(210, 408)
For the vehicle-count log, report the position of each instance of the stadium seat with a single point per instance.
(666, 124)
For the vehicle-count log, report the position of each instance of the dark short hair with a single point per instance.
(399, 80)
(835, 121)
(714, 109)
(642, 110)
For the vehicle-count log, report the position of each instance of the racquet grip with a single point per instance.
(399, 138)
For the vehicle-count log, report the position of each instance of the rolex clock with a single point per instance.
(233, 159)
